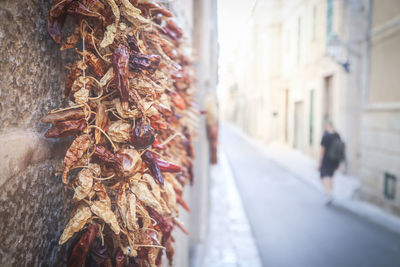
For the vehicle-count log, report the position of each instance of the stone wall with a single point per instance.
(34, 207)
(380, 129)
(380, 154)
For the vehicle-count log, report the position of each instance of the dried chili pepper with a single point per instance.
(96, 63)
(139, 62)
(164, 110)
(120, 259)
(94, 5)
(165, 224)
(73, 39)
(120, 64)
(187, 143)
(169, 249)
(151, 161)
(79, 146)
(128, 159)
(166, 166)
(175, 28)
(154, 8)
(171, 34)
(81, 249)
(179, 75)
(142, 136)
(133, 44)
(162, 11)
(169, 50)
(158, 145)
(101, 121)
(74, 73)
(149, 99)
(79, 10)
(107, 158)
(71, 114)
(180, 200)
(178, 100)
(98, 253)
(56, 17)
(66, 128)
(180, 226)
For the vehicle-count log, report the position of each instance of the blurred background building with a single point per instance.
(299, 63)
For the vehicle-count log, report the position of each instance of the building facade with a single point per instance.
(319, 61)
(380, 118)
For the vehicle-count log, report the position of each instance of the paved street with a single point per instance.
(291, 224)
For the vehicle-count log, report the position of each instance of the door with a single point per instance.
(327, 101)
(299, 125)
(286, 119)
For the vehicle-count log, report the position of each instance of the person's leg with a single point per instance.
(325, 184)
(329, 186)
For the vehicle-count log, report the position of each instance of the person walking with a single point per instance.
(332, 153)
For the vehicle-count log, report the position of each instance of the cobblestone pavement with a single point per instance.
(230, 241)
(291, 224)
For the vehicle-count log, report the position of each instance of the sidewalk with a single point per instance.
(305, 169)
(229, 239)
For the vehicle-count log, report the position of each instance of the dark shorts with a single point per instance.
(328, 169)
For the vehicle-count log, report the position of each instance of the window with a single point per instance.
(314, 22)
(329, 20)
(311, 118)
(390, 186)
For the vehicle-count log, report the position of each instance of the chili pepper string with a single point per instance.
(84, 88)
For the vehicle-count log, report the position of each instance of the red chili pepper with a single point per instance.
(158, 125)
(107, 158)
(66, 128)
(178, 101)
(180, 200)
(164, 110)
(81, 249)
(165, 224)
(142, 136)
(98, 253)
(175, 28)
(119, 259)
(186, 232)
(169, 250)
(158, 145)
(56, 17)
(139, 61)
(77, 9)
(162, 11)
(66, 115)
(133, 43)
(177, 75)
(166, 166)
(171, 34)
(121, 69)
(151, 161)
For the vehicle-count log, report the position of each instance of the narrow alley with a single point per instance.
(290, 222)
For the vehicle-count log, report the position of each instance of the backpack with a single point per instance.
(336, 151)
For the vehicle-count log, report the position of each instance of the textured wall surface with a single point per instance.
(32, 216)
(33, 204)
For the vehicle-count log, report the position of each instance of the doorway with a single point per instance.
(299, 125)
(327, 99)
(286, 126)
